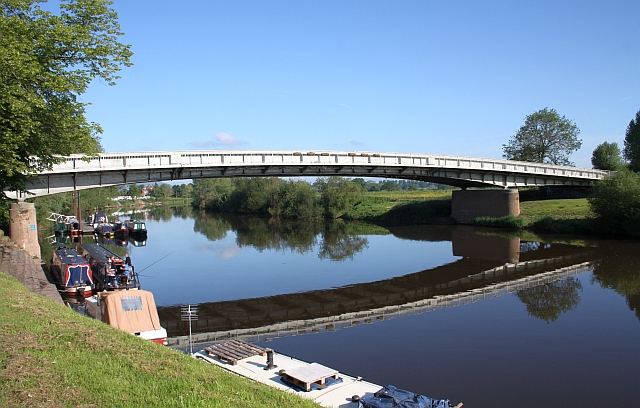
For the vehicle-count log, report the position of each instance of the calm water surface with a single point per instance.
(573, 340)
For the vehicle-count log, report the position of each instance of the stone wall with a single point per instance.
(28, 270)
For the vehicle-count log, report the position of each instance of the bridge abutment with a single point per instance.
(23, 227)
(467, 205)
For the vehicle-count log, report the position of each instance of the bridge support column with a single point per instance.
(23, 227)
(467, 205)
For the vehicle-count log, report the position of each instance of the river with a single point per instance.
(472, 315)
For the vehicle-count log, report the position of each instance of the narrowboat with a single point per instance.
(71, 272)
(136, 228)
(109, 270)
(120, 229)
(101, 225)
(131, 311)
(65, 224)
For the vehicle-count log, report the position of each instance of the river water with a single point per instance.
(471, 315)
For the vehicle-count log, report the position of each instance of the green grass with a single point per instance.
(403, 207)
(53, 356)
(562, 216)
(574, 208)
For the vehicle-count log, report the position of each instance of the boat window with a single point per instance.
(132, 303)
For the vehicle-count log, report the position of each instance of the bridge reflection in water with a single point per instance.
(490, 266)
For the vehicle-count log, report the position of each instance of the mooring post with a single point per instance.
(270, 364)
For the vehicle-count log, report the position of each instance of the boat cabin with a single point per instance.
(135, 227)
(131, 311)
(109, 270)
(71, 272)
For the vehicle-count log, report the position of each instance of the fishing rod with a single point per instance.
(156, 262)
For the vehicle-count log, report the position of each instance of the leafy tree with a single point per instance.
(632, 143)
(47, 61)
(616, 201)
(295, 200)
(211, 193)
(164, 191)
(338, 195)
(252, 195)
(388, 185)
(135, 190)
(607, 157)
(545, 137)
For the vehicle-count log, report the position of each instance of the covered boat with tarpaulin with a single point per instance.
(392, 397)
(131, 311)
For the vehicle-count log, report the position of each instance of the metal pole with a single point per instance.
(190, 342)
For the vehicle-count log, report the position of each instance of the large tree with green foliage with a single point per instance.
(338, 195)
(545, 137)
(632, 143)
(607, 156)
(47, 60)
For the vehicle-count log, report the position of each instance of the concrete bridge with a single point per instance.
(78, 172)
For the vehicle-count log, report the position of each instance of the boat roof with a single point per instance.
(68, 256)
(99, 252)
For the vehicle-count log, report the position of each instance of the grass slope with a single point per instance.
(52, 356)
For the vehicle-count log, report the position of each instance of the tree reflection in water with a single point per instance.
(336, 240)
(549, 301)
(617, 267)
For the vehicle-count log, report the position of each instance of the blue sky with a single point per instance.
(447, 77)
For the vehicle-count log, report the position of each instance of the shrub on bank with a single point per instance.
(616, 202)
(509, 221)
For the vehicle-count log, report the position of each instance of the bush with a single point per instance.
(508, 221)
(616, 202)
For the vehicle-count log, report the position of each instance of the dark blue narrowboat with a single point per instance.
(71, 272)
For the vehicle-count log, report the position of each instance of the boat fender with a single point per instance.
(355, 398)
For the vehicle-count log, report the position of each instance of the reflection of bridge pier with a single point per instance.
(246, 316)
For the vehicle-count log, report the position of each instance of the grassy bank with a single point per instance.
(53, 356)
(560, 216)
(404, 207)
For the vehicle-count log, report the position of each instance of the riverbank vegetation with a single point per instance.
(53, 356)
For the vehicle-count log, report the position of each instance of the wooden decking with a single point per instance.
(307, 375)
(235, 350)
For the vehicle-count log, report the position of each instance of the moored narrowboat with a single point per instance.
(120, 229)
(110, 272)
(136, 228)
(71, 272)
(101, 225)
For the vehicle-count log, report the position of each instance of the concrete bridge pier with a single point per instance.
(23, 227)
(467, 205)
